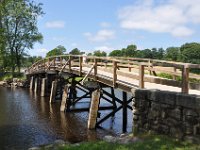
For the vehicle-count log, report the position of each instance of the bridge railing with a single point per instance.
(143, 70)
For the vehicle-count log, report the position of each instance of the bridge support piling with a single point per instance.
(32, 83)
(93, 113)
(43, 87)
(36, 85)
(124, 126)
(53, 92)
(64, 98)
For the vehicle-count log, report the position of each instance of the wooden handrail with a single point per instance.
(113, 64)
(82, 82)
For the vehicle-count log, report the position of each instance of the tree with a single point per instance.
(59, 50)
(116, 53)
(19, 21)
(190, 53)
(75, 51)
(99, 53)
(129, 51)
(172, 53)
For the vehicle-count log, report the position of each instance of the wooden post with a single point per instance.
(44, 86)
(114, 73)
(149, 66)
(53, 91)
(174, 76)
(113, 97)
(70, 63)
(124, 126)
(92, 120)
(61, 62)
(185, 79)
(31, 83)
(95, 69)
(141, 76)
(129, 68)
(80, 65)
(64, 98)
(36, 85)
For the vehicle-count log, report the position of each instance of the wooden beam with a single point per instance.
(141, 76)
(80, 65)
(114, 73)
(64, 98)
(185, 79)
(92, 120)
(124, 115)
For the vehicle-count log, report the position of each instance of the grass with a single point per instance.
(8, 76)
(178, 78)
(150, 142)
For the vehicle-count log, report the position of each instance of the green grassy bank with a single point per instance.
(150, 142)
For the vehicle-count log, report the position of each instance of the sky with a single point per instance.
(113, 24)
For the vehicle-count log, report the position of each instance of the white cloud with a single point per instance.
(55, 24)
(101, 35)
(104, 48)
(172, 17)
(105, 24)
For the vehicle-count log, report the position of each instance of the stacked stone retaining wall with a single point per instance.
(164, 112)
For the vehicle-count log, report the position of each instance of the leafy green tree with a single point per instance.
(190, 52)
(116, 53)
(129, 51)
(99, 53)
(172, 53)
(75, 51)
(59, 50)
(19, 21)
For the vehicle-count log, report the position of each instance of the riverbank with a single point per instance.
(124, 142)
(15, 82)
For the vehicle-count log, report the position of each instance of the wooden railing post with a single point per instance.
(174, 75)
(185, 79)
(61, 61)
(149, 66)
(141, 76)
(114, 73)
(80, 65)
(95, 69)
(70, 63)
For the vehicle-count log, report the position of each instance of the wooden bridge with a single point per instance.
(60, 74)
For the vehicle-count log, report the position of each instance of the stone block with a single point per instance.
(175, 113)
(188, 101)
(141, 94)
(164, 97)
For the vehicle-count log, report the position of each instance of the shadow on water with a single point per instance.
(28, 120)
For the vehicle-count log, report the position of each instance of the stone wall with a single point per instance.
(164, 112)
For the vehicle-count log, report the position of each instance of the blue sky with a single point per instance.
(113, 24)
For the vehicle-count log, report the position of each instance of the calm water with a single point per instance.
(27, 120)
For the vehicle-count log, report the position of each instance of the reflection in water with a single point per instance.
(28, 120)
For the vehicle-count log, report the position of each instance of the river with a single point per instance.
(28, 120)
